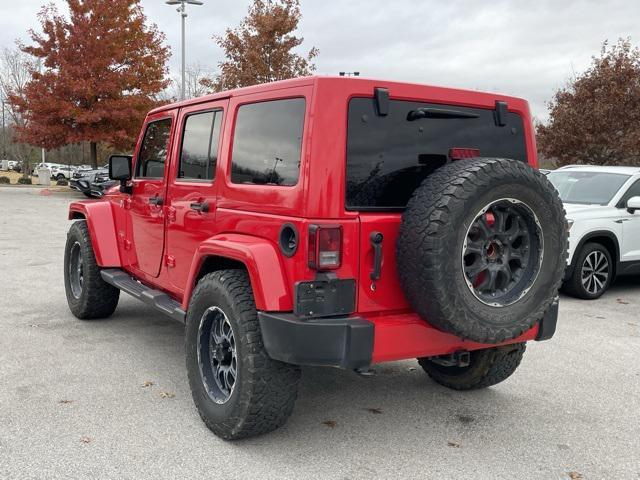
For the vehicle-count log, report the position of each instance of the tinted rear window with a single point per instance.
(389, 156)
(267, 142)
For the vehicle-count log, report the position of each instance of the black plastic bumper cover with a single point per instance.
(334, 342)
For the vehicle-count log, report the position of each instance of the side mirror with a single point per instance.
(120, 169)
(633, 204)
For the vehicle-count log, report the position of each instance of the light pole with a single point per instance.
(4, 134)
(182, 10)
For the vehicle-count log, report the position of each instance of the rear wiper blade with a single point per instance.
(428, 112)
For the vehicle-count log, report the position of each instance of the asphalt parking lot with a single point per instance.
(73, 400)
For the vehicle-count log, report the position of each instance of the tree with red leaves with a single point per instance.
(596, 118)
(101, 69)
(260, 50)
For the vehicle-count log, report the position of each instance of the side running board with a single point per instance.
(157, 299)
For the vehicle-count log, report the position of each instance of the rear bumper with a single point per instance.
(354, 342)
(345, 342)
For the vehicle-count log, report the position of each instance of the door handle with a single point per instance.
(202, 207)
(157, 201)
(376, 242)
(622, 220)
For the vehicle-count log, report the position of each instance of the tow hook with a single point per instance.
(461, 358)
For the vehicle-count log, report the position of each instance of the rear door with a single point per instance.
(388, 157)
(148, 197)
(192, 187)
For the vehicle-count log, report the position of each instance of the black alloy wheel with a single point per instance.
(502, 252)
(76, 270)
(217, 357)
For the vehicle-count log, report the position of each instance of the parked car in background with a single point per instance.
(48, 165)
(81, 180)
(602, 206)
(101, 183)
(62, 172)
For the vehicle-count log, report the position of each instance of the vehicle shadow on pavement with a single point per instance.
(333, 402)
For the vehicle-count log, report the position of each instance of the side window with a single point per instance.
(153, 151)
(267, 142)
(199, 154)
(634, 191)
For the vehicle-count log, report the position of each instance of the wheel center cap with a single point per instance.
(494, 250)
(222, 354)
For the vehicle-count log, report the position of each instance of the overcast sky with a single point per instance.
(522, 48)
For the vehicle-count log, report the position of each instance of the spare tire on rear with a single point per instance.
(482, 248)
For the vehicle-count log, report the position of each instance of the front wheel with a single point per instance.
(238, 389)
(486, 368)
(88, 295)
(592, 274)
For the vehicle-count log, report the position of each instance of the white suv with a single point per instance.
(602, 205)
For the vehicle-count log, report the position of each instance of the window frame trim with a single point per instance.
(205, 181)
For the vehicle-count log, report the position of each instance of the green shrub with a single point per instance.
(5, 180)
(24, 181)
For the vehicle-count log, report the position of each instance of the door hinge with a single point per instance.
(170, 261)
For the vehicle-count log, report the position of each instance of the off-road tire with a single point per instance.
(432, 235)
(573, 286)
(265, 390)
(487, 367)
(98, 299)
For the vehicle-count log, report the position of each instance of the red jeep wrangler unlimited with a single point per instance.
(328, 221)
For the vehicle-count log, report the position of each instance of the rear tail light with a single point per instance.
(325, 247)
(462, 153)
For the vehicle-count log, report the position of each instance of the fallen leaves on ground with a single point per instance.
(453, 444)
(85, 439)
(64, 401)
(375, 411)
(167, 394)
(622, 302)
(330, 423)
(575, 475)
(147, 384)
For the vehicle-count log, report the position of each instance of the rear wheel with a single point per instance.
(88, 295)
(592, 274)
(238, 389)
(486, 368)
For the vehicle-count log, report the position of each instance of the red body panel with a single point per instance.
(166, 246)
